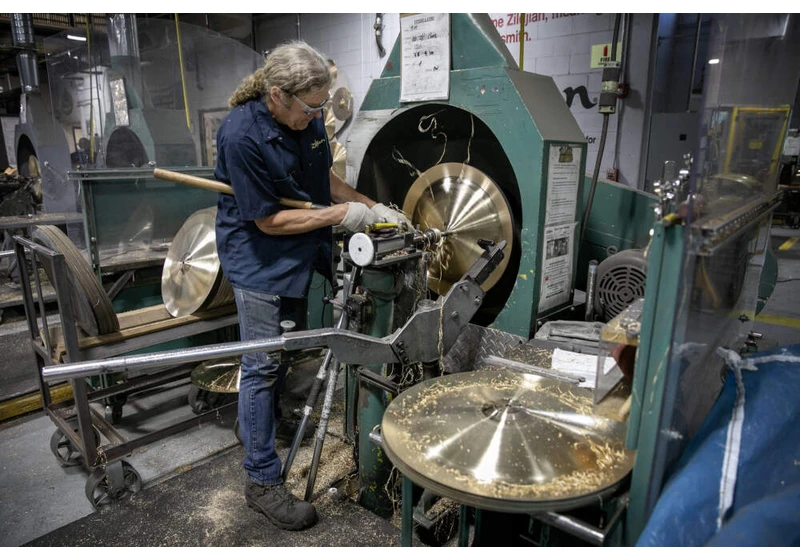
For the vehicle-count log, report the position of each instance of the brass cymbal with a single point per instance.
(342, 104)
(330, 122)
(339, 159)
(466, 204)
(191, 270)
(505, 441)
(218, 376)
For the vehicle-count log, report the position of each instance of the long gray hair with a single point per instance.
(295, 67)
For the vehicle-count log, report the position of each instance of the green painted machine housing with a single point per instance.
(524, 112)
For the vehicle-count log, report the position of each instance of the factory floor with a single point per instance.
(193, 481)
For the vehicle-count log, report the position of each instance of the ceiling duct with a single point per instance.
(24, 42)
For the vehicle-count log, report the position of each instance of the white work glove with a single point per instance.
(390, 215)
(358, 217)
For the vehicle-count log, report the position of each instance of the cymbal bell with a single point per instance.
(465, 204)
(505, 441)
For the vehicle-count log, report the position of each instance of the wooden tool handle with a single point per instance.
(218, 186)
(193, 181)
(296, 203)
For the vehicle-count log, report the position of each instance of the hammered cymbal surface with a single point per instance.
(466, 204)
(506, 441)
(191, 269)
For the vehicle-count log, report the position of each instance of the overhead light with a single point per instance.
(714, 61)
(76, 38)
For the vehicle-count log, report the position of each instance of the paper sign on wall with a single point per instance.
(563, 180)
(425, 54)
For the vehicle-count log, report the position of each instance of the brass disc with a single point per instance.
(339, 159)
(466, 204)
(505, 441)
(218, 376)
(342, 104)
(330, 122)
(191, 272)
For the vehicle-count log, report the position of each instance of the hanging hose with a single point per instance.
(183, 75)
(607, 106)
(91, 95)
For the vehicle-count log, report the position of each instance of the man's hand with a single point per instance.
(358, 217)
(390, 215)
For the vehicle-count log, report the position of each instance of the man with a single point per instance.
(273, 145)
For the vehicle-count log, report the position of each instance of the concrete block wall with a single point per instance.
(557, 45)
(560, 46)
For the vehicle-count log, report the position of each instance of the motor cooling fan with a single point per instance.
(620, 281)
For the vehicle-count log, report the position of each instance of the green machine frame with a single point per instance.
(527, 116)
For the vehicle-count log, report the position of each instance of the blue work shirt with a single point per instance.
(264, 161)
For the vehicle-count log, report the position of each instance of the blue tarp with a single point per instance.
(766, 506)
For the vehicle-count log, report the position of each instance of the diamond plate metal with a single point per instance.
(474, 344)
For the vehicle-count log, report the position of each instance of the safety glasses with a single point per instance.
(309, 110)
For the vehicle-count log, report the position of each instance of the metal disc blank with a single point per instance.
(505, 441)
(191, 269)
(466, 204)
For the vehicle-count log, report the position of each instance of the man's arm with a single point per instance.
(289, 222)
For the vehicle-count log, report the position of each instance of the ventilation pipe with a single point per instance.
(24, 42)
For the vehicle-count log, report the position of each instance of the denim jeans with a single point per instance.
(260, 316)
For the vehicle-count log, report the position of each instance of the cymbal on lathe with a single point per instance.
(465, 203)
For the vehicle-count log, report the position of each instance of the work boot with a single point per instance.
(287, 429)
(280, 506)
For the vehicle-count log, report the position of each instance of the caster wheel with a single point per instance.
(65, 452)
(99, 491)
(237, 432)
(113, 413)
(202, 401)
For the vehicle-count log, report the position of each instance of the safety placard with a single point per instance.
(563, 176)
(556, 285)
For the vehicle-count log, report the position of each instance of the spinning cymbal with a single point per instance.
(466, 204)
(191, 275)
(505, 441)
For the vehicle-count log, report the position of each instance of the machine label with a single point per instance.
(563, 176)
(556, 286)
(425, 54)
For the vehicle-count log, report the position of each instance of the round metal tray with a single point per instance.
(505, 441)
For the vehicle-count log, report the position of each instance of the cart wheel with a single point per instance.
(202, 401)
(65, 452)
(113, 413)
(99, 491)
(236, 431)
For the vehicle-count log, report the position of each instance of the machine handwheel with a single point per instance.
(99, 491)
(64, 450)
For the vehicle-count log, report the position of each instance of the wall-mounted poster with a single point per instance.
(210, 121)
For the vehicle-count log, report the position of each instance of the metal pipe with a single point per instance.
(353, 347)
(694, 60)
(572, 526)
(323, 373)
(591, 282)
